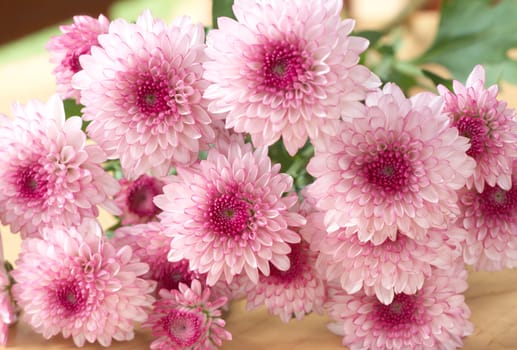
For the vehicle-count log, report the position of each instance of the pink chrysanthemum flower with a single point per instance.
(490, 217)
(187, 319)
(436, 317)
(292, 293)
(135, 199)
(286, 69)
(65, 49)
(48, 174)
(8, 312)
(395, 266)
(231, 214)
(152, 246)
(386, 172)
(142, 90)
(490, 126)
(75, 282)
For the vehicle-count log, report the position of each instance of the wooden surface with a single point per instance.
(492, 297)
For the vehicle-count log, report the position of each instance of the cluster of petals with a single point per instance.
(49, 175)
(231, 214)
(436, 317)
(395, 168)
(151, 246)
(293, 293)
(142, 91)
(76, 39)
(489, 124)
(75, 282)
(8, 309)
(395, 266)
(135, 199)
(187, 318)
(490, 217)
(286, 69)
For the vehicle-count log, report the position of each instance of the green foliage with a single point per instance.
(221, 8)
(476, 32)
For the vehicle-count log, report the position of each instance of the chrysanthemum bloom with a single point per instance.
(135, 199)
(48, 174)
(76, 39)
(292, 293)
(490, 217)
(490, 126)
(395, 266)
(187, 319)
(231, 214)
(396, 168)
(8, 314)
(286, 69)
(75, 282)
(152, 246)
(142, 90)
(436, 317)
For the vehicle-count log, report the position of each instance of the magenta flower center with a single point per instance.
(71, 60)
(297, 258)
(71, 299)
(153, 96)
(390, 171)
(283, 66)
(170, 274)
(496, 202)
(183, 327)
(228, 214)
(476, 130)
(31, 183)
(140, 196)
(400, 314)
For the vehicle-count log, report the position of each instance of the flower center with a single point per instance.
(170, 274)
(297, 258)
(228, 214)
(31, 184)
(153, 96)
(71, 60)
(476, 130)
(183, 327)
(283, 66)
(71, 299)
(140, 196)
(498, 202)
(400, 314)
(390, 171)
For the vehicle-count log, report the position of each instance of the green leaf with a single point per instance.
(373, 36)
(221, 8)
(476, 32)
(72, 109)
(436, 79)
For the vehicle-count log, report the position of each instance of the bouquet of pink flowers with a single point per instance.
(266, 162)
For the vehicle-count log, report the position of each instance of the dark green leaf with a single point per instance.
(436, 79)
(476, 32)
(221, 8)
(72, 108)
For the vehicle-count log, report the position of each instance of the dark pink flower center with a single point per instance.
(140, 196)
(170, 274)
(283, 66)
(71, 298)
(400, 314)
(298, 259)
(228, 214)
(476, 130)
(183, 327)
(390, 171)
(496, 202)
(154, 96)
(71, 60)
(31, 182)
